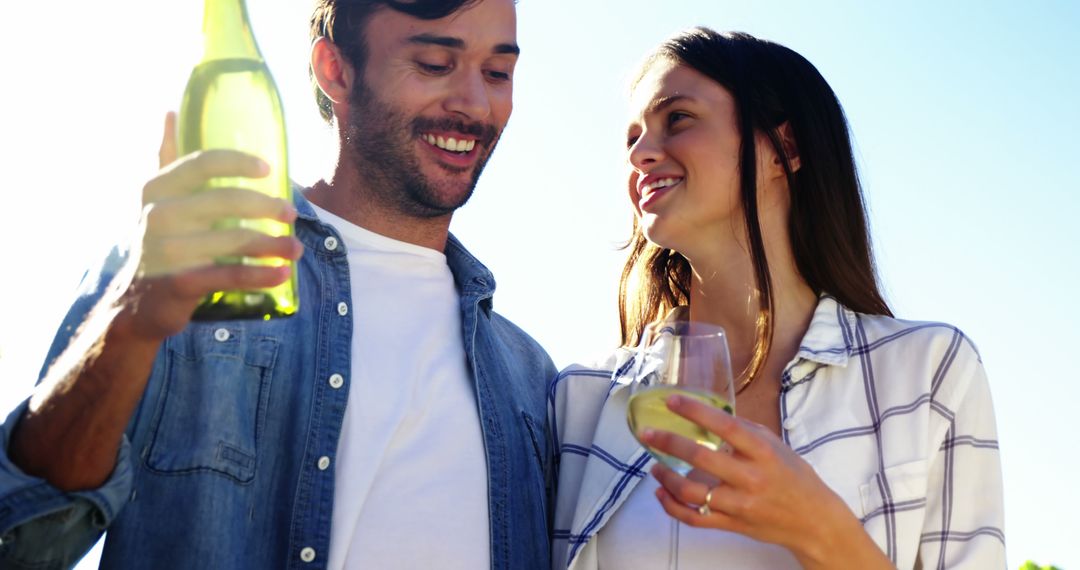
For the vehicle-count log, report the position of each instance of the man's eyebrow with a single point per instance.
(432, 39)
(458, 43)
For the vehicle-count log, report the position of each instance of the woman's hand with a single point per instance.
(765, 491)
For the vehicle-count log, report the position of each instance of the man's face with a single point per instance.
(433, 100)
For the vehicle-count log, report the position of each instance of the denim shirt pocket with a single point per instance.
(537, 435)
(213, 401)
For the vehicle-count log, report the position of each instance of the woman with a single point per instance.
(862, 441)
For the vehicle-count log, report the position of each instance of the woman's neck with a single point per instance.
(724, 292)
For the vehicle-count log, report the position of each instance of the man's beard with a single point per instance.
(379, 139)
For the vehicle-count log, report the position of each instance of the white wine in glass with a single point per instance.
(687, 358)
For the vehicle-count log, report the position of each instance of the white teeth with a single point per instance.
(662, 183)
(451, 144)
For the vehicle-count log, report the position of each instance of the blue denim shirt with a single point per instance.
(219, 465)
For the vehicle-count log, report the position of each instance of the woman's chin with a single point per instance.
(654, 230)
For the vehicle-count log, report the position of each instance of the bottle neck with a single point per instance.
(227, 31)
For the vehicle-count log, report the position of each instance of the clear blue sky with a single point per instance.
(964, 115)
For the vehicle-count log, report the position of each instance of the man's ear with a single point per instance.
(790, 148)
(333, 73)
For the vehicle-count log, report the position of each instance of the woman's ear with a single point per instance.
(333, 73)
(787, 143)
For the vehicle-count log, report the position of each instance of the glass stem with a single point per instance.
(673, 554)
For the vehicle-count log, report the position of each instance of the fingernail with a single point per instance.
(647, 433)
(674, 401)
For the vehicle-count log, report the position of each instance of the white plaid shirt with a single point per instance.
(895, 416)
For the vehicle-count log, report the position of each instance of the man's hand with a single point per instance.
(173, 263)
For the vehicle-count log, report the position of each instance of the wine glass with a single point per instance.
(688, 358)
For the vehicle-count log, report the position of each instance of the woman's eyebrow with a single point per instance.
(661, 103)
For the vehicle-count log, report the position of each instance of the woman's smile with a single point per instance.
(653, 187)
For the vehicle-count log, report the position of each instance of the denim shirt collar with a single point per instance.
(474, 280)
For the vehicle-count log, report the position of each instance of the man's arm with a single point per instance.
(71, 431)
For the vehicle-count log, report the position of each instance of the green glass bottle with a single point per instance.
(231, 102)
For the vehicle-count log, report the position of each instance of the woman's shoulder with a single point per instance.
(594, 377)
(838, 333)
(908, 336)
(603, 366)
(908, 357)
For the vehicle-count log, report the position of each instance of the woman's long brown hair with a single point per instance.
(771, 85)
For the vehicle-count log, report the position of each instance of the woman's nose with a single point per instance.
(644, 152)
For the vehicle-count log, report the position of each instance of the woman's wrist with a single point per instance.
(839, 541)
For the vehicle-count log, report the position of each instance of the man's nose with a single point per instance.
(469, 96)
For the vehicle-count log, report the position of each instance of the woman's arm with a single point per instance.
(964, 524)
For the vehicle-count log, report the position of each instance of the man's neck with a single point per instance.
(349, 202)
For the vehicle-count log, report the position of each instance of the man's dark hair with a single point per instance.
(343, 22)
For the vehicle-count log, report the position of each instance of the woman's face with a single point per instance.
(683, 149)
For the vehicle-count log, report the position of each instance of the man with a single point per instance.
(395, 422)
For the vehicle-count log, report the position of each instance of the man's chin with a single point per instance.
(451, 201)
(439, 200)
(451, 186)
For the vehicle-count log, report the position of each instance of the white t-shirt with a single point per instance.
(637, 536)
(410, 472)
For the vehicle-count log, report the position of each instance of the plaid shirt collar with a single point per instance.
(828, 340)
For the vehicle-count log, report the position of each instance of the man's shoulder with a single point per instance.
(515, 338)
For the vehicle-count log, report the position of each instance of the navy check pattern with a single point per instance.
(895, 416)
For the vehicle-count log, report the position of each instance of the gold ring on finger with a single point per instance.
(704, 509)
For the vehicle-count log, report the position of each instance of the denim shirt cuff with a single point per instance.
(25, 498)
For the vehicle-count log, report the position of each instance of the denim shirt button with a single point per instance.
(324, 463)
(337, 381)
(343, 308)
(307, 554)
(221, 335)
(330, 243)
